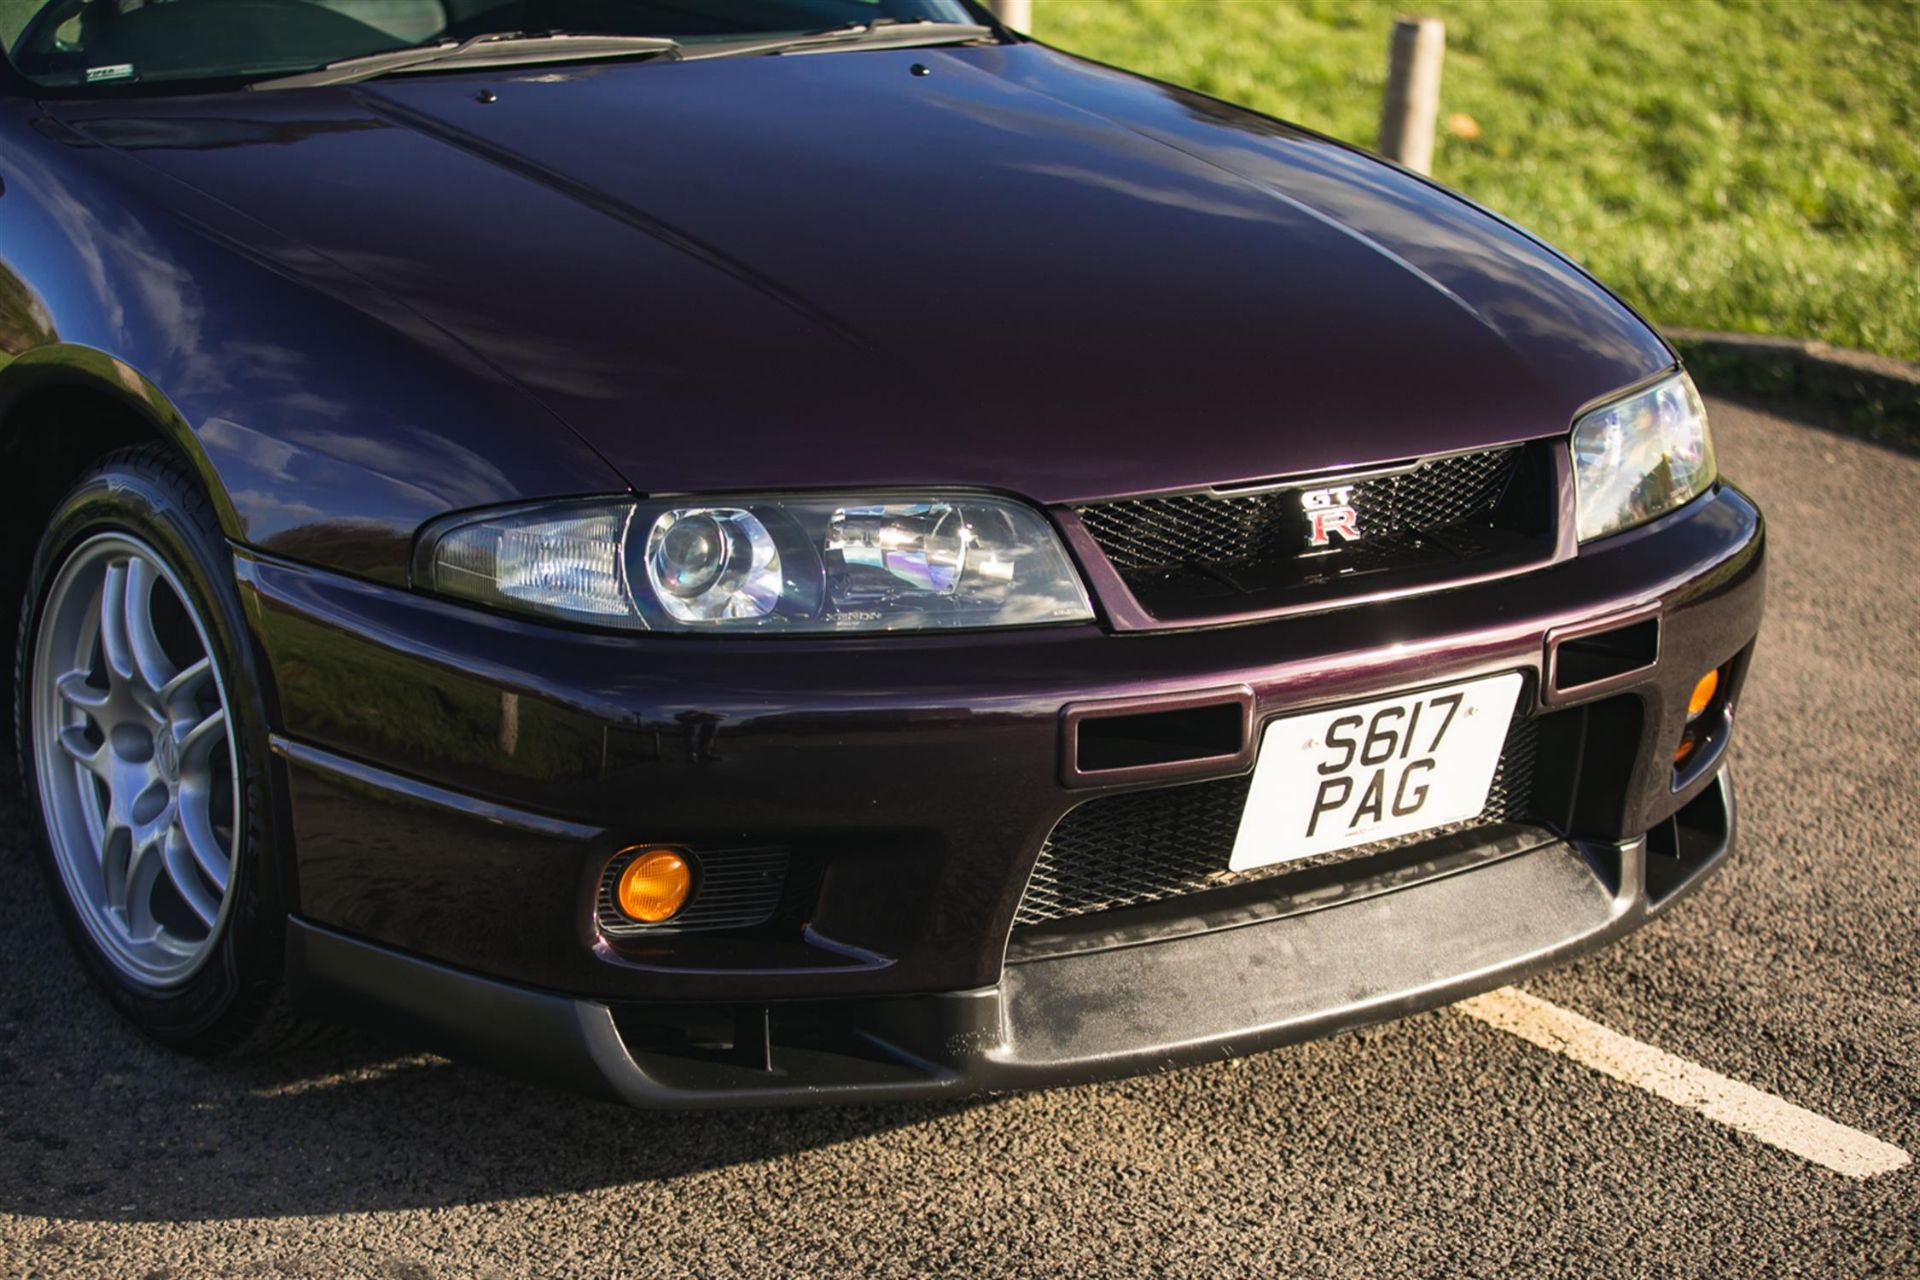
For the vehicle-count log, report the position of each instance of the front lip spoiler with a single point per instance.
(1059, 1020)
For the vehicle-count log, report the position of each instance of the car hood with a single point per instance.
(997, 267)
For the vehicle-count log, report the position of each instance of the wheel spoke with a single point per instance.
(73, 740)
(196, 743)
(135, 896)
(113, 623)
(196, 829)
(188, 678)
(151, 665)
(119, 871)
(180, 873)
(77, 689)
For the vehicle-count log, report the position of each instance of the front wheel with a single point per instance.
(143, 751)
(133, 748)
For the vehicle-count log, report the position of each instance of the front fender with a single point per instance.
(327, 421)
(66, 366)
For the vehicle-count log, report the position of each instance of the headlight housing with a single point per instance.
(836, 563)
(1640, 457)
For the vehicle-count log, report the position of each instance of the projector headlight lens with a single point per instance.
(708, 564)
(686, 557)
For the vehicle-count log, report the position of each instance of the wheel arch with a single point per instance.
(63, 407)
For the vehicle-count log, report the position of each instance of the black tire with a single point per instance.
(235, 1001)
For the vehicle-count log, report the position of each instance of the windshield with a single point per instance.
(114, 43)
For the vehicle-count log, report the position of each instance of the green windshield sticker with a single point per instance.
(118, 71)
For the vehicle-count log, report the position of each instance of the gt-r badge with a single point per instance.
(1329, 513)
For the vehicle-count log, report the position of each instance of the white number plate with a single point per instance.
(1352, 775)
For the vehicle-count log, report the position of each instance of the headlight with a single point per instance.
(1641, 457)
(871, 562)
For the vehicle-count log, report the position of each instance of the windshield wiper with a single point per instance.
(498, 49)
(881, 33)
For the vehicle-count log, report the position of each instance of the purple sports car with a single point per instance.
(744, 551)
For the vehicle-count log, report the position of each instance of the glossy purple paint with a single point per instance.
(359, 308)
(924, 771)
(1022, 272)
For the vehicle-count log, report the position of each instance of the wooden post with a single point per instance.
(1412, 104)
(1017, 14)
(509, 722)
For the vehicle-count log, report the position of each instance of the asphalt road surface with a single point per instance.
(1436, 1146)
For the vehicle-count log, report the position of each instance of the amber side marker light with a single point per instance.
(654, 886)
(1703, 694)
(1697, 703)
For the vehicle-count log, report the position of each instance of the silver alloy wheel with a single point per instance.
(132, 744)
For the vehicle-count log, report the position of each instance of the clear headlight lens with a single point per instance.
(559, 561)
(870, 562)
(1641, 457)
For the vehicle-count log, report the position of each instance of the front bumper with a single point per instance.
(1298, 974)
(917, 778)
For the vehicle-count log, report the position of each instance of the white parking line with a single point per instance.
(1772, 1120)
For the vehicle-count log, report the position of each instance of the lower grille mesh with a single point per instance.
(1147, 846)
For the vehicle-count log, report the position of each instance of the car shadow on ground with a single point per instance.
(98, 1123)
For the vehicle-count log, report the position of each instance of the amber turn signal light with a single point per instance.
(1703, 694)
(654, 886)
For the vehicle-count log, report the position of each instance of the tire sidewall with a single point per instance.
(150, 496)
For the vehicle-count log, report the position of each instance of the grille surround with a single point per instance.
(1191, 554)
(1136, 848)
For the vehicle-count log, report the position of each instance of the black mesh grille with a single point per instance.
(1439, 511)
(1435, 495)
(732, 889)
(1196, 529)
(1146, 846)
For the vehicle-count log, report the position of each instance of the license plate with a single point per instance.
(1347, 776)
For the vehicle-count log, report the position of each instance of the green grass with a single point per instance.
(1722, 164)
(1725, 164)
(13, 16)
